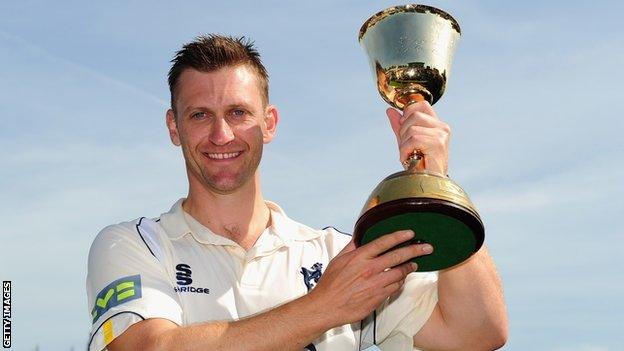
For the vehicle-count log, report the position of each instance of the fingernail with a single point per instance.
(414, 266)
(408, 234)
(427, 248)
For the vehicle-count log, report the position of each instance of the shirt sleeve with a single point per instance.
(402, 316)
(126, 284)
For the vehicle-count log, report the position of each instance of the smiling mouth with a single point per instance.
(223, 156)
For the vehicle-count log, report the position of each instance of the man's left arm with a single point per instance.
(470, 313)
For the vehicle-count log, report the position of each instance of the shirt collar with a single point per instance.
(287, 229)
(177, 223)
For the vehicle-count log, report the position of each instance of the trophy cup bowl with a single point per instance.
(410, 49)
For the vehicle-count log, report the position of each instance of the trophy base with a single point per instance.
(454, 232)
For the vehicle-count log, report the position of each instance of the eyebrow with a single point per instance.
(199, 108)
(243, 104)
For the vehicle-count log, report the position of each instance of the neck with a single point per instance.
(241, 216)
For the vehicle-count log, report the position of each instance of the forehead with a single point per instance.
(227, 85)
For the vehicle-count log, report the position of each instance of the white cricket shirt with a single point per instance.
(175, 268)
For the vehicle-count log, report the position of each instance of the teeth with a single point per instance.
(224, 156)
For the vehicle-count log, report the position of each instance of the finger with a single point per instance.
(421, 119)
(391, 289)
(396, 274)
(417, 131)
(429, 143)
(400, 255)
(394, 117)
(422, 106)
(386, 242)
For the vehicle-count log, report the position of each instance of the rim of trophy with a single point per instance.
(379, 16)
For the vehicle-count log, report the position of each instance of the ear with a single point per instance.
(271, 117)
(172, 125)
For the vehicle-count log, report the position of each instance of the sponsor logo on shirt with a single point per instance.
(311, 276)
(183, 277)
(183, 274)
(116, 293)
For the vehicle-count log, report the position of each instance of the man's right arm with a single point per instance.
(287, 327)
(355, 282)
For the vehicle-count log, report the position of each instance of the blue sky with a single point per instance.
(535, 102)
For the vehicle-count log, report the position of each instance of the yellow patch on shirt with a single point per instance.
(108, 332)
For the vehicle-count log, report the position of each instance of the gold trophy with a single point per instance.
(410, 49)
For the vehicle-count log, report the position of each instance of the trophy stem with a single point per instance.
(405, 97)
(411, 164)
(412, 94)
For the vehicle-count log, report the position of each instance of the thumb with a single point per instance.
(394, 117)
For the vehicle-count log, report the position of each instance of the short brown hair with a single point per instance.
(208, 53)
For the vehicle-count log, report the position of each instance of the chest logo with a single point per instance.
(311, 276)
(183, 277)
(183, 274)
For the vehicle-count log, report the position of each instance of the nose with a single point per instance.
(221, 132)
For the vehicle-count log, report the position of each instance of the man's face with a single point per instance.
(222, 123)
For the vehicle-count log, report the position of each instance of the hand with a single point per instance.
(420, 129)
(358, 280)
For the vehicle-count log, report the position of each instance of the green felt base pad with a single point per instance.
(453, 241)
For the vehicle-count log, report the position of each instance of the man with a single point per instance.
(226, 270)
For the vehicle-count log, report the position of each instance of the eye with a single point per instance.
(239, 112)
(199, 115)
